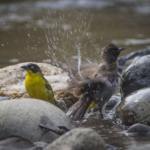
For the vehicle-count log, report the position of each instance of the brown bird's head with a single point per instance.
(110, 53)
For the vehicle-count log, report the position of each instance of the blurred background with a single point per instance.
(54, 30)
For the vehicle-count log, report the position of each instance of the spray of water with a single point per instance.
(79, 59)
(65, 39)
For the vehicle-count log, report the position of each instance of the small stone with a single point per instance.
(62, 105)
(78, 139)
(40, 145)
(138, 129)
(111, 103)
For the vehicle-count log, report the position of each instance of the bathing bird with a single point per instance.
(95, 84)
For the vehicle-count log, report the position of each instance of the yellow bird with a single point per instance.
(37, 86)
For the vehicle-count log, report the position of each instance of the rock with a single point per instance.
(12, 82)
(40, 145)
(136, 76)
(112, 103)
(143, 147)
(15, 143)
(21, 118)
(135, 107)
(110, 147)
(78, 139)
(62, 104)
(138, 129)
(122, 61)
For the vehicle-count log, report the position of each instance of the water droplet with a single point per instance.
(2, 44)
(28, 34)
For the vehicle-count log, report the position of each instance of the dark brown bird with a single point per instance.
(95, 83)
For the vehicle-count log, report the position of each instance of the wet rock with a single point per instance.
(109, 109)
(143, 147)
(78, 139)
(62, 104)
(12, 82)
(125, 60)
(138, 129)
(15, 143)
(110, 147)
(22, 117)
(135, 107)
(40, 145)
(112, 103)
(136, 76)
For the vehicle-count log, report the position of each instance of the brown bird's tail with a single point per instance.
(78, 110)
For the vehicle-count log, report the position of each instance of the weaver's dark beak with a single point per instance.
(120, 49)
(25, 67)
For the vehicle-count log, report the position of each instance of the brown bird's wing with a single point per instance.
(83, 77)
(88, 91)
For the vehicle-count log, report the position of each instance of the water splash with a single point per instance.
(64, 40)
(79, 59)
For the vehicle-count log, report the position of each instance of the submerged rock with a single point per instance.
(135, 108)
(78, 139)
(12, 82)
(136, 76)
(22, 117)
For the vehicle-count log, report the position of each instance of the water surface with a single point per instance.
(55, 30)
(52, 31)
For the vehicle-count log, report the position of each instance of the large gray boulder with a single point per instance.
(21, 118)
(78, 139)
(12, 82)
(135, 108)
(136, 76)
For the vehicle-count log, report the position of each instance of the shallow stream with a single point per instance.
(53, 31)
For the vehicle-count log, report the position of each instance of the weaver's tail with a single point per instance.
(78, 110)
